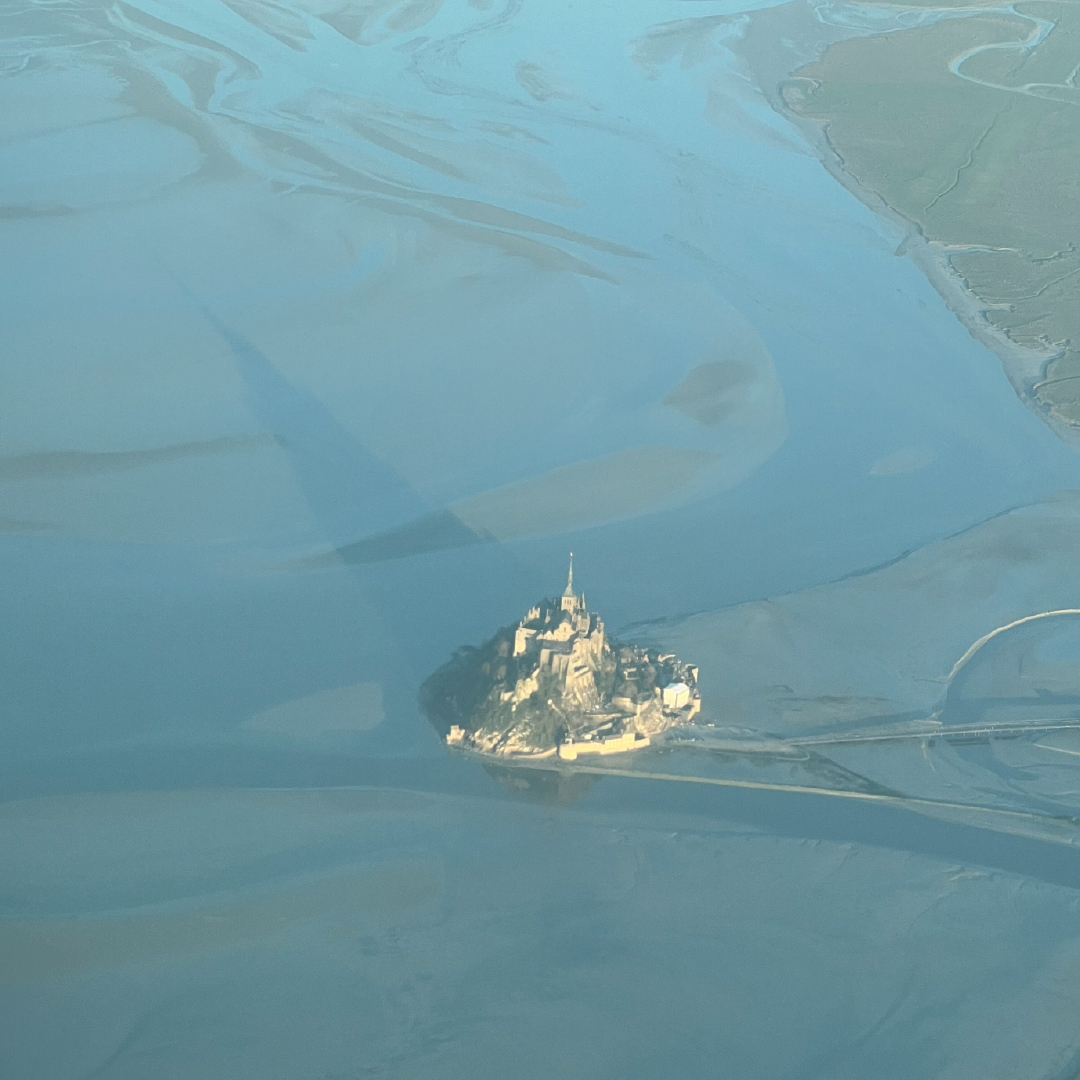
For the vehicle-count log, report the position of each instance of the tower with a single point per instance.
(569, 600)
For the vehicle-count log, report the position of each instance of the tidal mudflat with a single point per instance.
(329, 328)
(352, 932)
(904, 629)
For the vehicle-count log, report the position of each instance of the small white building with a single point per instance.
(676, 695)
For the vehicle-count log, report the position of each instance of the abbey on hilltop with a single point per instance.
(556, 684)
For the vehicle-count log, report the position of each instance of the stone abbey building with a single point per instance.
(568, 642)
(556, 684)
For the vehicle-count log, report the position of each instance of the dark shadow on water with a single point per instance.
(347, 487)
(437, 531)
(545, 786)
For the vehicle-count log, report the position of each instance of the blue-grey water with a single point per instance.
(327, 331)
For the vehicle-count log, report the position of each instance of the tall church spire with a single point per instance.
(569, 591)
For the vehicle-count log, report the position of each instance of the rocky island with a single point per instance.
(557, 684)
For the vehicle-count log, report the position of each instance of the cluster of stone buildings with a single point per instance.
(606, 698)
(568, 642)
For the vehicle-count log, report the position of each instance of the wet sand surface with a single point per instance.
(415, 934)
(329, 328)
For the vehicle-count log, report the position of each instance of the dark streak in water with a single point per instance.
(436, 531)
(135, 1032)
(347, 488)
(50, 464)
(29, 528)
(14, 213)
